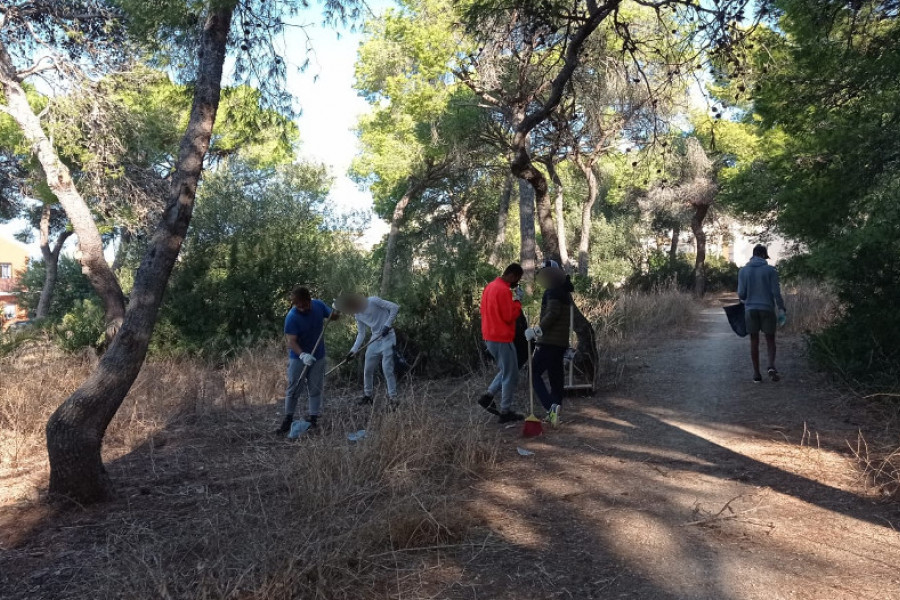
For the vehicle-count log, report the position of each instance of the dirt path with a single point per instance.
(690, 482)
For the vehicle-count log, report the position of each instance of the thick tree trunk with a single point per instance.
(59, 179)
(523, 167)
(700, 211)
(463, 220)
(502, 217)
(587, 209)
(560, 215)
(51, 262)
(75, 431)
(390, 250)
(527, 246)
(673, 245)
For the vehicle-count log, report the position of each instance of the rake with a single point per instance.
(532, 426)
(346, 360)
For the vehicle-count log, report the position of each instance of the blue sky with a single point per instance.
(330, 109)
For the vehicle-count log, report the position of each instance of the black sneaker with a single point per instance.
(285, 426)
(510, 417)
(487, 403)
(364, 400)
(757, 379)
(773, 374)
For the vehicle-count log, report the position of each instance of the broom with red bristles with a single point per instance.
(532, 426)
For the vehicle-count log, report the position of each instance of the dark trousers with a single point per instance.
(549, 359)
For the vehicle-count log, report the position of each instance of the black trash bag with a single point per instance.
(520, 342)
(401, 364)
(737, 319)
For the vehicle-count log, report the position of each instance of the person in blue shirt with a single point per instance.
(760, 291)
(303, 329)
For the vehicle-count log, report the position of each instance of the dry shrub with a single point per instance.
(879, 467)
(632, 318)
(211, 505)
(811, 306)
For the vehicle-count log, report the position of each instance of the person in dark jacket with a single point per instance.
(760, 291)
(552, 338)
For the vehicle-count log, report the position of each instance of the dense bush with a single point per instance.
(81, 327)
(721, 274)
(71, 287)
(254, 236)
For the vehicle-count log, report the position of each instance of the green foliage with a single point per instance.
(82, 327)
(827, 102)
(255, 235)
(72, 287)
(439, 306)
(661, 271)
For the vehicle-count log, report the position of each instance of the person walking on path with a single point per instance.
(303, 328)
(552, 338)
(378, 316)
(501, 305)
(760, 291)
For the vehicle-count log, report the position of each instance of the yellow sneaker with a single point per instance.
(553, 415)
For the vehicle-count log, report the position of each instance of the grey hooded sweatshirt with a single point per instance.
(758, 286)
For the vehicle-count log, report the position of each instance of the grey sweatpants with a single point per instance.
(313, 381)
(507, 379)
(380, 352)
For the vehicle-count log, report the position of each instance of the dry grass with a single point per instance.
(879, 465)
(811, 306)
(211, 505)
(633, 319)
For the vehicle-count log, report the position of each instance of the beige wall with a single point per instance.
(15, 255)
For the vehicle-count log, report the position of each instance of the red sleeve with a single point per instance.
(510, 307)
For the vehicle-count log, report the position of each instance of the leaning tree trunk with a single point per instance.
(697, 219)
(51, 262)
(587, 209)
(502, 217)
(390, 249)
(75, 431)
(673, 245)
(59, 180)
(560, 215)
(523, 167)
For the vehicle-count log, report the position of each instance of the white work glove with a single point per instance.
(533, 333)
(308, 359)
(518, 294)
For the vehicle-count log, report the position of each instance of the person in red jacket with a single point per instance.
(501, 305)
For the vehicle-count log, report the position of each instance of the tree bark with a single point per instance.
(51, 262)
(527, 245)
(587, 209)
(502, 217)
(59, 179)
(390, 250)
(560, 215)
(523, 167)
(673, 246)
(700, 211)
(463, 220)
(75, 431)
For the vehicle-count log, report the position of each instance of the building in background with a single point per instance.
(13, 261)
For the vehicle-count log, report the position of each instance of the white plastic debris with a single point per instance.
(355, 437)
(524, 452)
(298, 428)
